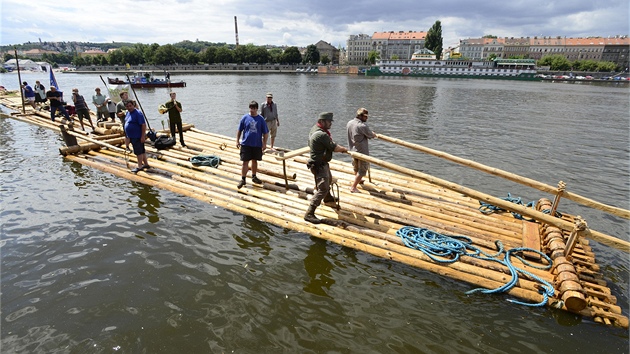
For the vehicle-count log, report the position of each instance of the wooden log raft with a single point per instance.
(368, 220)
(289, 214)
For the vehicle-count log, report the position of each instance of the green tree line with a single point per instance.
(183, 53)
(557, 62)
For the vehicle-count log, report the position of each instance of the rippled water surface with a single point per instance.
(91, 263)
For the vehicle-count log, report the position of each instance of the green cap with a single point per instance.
(326, 116)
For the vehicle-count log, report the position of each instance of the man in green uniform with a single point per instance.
(174, 108)
(322, 147)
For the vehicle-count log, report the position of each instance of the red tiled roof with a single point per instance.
(392, 35)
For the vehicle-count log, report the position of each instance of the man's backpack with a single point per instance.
(163, 142)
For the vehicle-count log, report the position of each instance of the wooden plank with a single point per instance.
(293, 153)
(531, 239)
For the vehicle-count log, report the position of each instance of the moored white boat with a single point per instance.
(510, 69)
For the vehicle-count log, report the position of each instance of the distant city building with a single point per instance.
(92, 52)
(612, 49)
(343, 56)
(327, 49)
(471, 48)
(390, 44)
(492, 47)
(25, 64)
(617, 50)
(401, 44)
(542, 46)
(358, 47)
(516, 47)
(423, 54)
(37, 53)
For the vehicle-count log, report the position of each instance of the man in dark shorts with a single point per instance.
(255, 133)
(136, 132)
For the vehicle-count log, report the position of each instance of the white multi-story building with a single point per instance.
(389, 45)
(358, 47)
(398, 45)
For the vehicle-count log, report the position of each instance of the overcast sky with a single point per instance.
(300, 23)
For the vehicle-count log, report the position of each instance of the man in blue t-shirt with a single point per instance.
(136, 132)
(254, 132)
(29, 94)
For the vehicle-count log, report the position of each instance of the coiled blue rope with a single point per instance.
(206, 160)
(448, 249)
(488, 208)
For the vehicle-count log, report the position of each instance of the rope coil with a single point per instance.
(487, 208)
(448, 249)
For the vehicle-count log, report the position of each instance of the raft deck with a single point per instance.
(371, 220)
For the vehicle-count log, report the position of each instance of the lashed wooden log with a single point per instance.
(512, 177)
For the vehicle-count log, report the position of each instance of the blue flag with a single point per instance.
(53, 81)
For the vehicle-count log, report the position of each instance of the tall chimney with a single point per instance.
(236, 31)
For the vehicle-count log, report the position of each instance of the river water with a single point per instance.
(91, 263)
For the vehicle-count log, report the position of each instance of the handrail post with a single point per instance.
(578, 231)
(556, 201)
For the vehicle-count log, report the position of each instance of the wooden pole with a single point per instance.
(513, 177)
(99, 142)
(139, 104)
(17, 65)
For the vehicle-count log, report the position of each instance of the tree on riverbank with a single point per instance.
(312, 54)
(187, 52)
(372, 56)
(558, 62)
(433, 40)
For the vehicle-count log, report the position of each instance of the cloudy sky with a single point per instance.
(300, 23)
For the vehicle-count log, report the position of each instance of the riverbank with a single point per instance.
(222, 68)
(195, 69)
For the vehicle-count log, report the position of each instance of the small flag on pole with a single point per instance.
(53, 81)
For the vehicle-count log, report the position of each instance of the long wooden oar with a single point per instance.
(512, 177)
(17, 65)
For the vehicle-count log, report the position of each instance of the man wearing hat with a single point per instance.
(29, 94)
(358, 135)
(174, 109)
(56, 103)
(322, 147)
(100, 101)
(269, 110)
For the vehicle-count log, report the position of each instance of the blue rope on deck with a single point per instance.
(206, 160)
(488, 208)
(448, 249)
